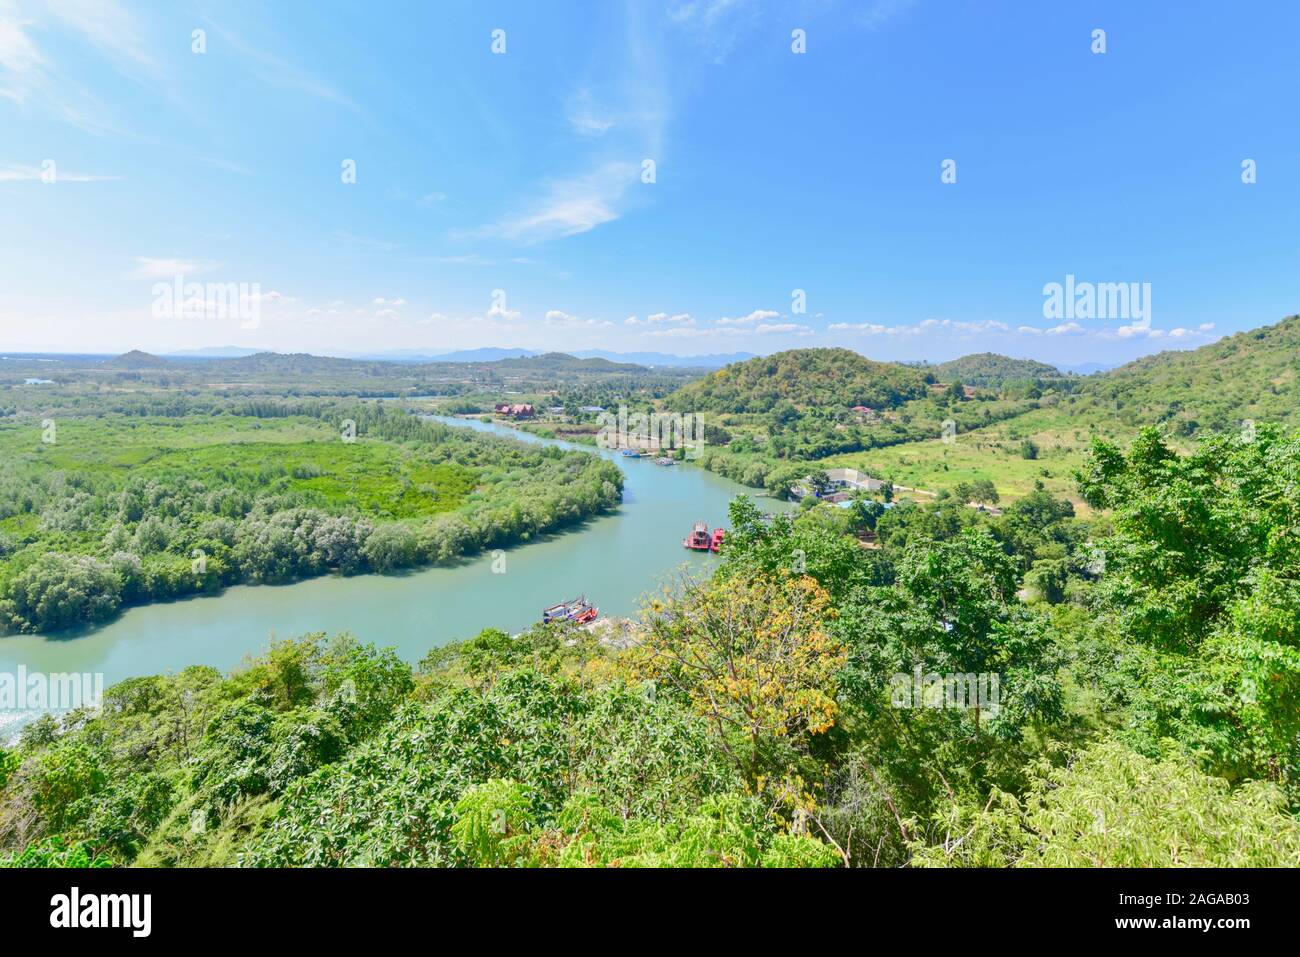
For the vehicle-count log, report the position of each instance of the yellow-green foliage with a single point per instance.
(1112, 807)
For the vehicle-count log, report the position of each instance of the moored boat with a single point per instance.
(715, 543)
(698, 540)
(663, 460)
(575, 609)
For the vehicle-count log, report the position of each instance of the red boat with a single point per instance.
(575, 609)
(718, 535)
(698, 540)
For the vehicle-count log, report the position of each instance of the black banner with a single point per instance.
(329, 907)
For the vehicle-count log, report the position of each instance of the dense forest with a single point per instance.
(802, 378)
(993, 371)
(791, 710)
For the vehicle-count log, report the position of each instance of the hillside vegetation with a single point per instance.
(804, 378)
(1251, 375)
(992, 370)
(1016, 432)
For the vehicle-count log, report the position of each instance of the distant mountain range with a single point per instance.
(1089, 368)
(212, 352)
(495, 353)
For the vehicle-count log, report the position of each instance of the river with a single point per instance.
(614, 560)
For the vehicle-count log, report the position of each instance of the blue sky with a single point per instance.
(499, 197)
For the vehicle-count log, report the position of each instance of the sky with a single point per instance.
(905, 178)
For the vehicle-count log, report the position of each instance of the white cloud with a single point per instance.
(499, 311)
(758, 315)
(983, 326)
(555, 317)
(381, 301)
(791, 328)
(1065, 329)
(868, 328)
(569, 207)
(954, 325)
(584, 117)
(691, 332)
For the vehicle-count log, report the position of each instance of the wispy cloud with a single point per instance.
(584, 117)
(279, 72)
(555, 317)
(569, 207)
(13, 173)
(958, 326)
(758, 315)
(109, 28)
(617, 130)
(30, 78)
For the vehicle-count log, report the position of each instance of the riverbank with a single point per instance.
(614, 559)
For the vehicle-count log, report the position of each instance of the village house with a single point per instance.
(518, 411)
(843, 482)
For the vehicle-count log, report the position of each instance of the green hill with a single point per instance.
(1251, 375)
(805, 378)
(990, 370)
(563, 362)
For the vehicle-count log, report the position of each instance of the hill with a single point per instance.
(135, 359)
(562, 361)
(805, 378)
(1251, 375)
(991, 370)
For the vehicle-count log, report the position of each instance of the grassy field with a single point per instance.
(1062, 434)
(378, 478)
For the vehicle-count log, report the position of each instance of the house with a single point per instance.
(843, 483)
(520, 411)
